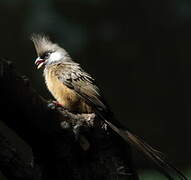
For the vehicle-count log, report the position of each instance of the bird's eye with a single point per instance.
(46, 55)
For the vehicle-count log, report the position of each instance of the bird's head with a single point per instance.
(47, 51)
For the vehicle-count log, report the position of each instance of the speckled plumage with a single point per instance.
(65, 82)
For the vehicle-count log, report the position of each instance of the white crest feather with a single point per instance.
(43, 44)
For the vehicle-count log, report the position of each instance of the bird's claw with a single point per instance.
(54, 104)
(51, 106)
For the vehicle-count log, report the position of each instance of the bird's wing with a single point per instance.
(83, 84)
(73, 76)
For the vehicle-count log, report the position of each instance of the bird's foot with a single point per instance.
(55, 104)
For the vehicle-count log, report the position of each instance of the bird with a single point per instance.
(77, 91)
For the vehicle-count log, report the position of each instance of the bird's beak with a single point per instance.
(39, 62)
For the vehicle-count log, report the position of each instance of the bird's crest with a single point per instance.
(43, 44)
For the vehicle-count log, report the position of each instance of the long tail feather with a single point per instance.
(156, 156)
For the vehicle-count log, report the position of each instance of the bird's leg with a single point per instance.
(55, 104)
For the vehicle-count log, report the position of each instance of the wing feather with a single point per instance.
(74, 77)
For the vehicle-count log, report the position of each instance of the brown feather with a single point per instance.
(63, 94)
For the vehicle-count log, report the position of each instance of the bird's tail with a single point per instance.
(157, 157)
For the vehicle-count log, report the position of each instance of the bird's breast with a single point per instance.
(64, 95)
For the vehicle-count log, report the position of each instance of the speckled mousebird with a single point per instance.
(76, 90)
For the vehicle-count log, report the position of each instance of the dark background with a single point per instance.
(139, 52)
